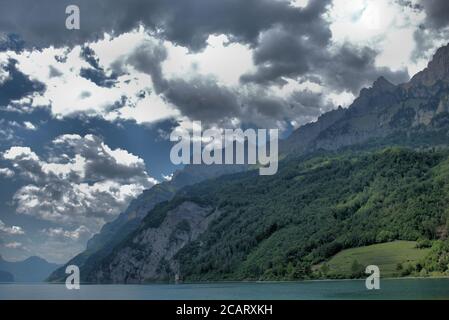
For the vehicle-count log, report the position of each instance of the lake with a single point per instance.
(396, 289)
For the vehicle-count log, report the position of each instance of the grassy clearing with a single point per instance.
(392, 258)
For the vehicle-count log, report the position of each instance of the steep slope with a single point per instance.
(384, 110)
(437, 70)
(116, 231)
(300, 140)
(33, 269)
(313, 208)
(395, 259)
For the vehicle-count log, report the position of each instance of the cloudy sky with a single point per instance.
(85, 114)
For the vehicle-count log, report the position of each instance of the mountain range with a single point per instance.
(32, 269)
(372, 173)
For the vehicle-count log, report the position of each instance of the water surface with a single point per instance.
(396, 289)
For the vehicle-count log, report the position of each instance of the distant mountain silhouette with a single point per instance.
(6, 277)
(32, 269)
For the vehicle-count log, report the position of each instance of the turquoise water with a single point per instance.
(313, 290)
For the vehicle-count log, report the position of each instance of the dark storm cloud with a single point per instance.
(352, 68)
(203, 99)
(147, 58)
(261, 108)
(433, 30)
(191, 22)
(42, 23)
(100, 164)
(188, 23)
(437, 13)
(310, 102)
(288, 42)
(284, 54)
(289, 50)
(280, 53)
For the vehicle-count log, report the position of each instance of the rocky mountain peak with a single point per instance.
(379, 87)
(383, 84)
(437, 69)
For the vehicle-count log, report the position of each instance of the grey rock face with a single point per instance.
(114, 232)
(150, 255)
(381, 111)
(437, 69)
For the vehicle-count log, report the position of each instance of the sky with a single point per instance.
(86, 115)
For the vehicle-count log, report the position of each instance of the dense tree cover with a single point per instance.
(278, 227)
(437, 262)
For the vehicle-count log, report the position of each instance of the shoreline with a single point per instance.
(227, 282)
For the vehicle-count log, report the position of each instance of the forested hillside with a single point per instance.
(278, 227)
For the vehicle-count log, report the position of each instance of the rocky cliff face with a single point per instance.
(383, 110)
(300, 140)
(437, 70)
(112, 233)
(150, 254)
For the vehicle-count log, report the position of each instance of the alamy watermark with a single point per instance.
(226, 146)
(72, 22)
(373, 281)
(73, 280)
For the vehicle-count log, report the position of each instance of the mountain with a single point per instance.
(340, 186)
(6, 277)
(313, 208)
(437, 70)
(33, 269)
(384, 110)
(114, 232)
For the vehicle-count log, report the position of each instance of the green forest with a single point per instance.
(279, 227)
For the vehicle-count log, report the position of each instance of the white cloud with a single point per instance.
(384, 25)
(6, 172)
(299, 3)
(89, 97)
(83, 182)
(134, 94)
(13, 245)
(4, 75)
(75, 235)
(24, 153)
(224, 60)
(28, 125)
(343, 99)
(387, 26)
(13, 230)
